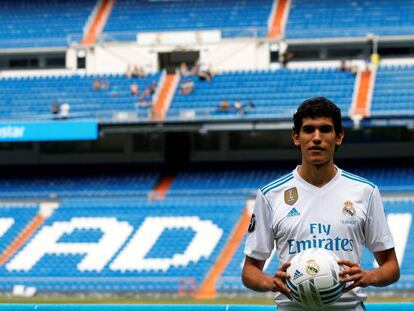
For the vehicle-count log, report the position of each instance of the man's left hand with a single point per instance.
(352, 272)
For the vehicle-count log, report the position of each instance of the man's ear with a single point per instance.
(339, 138)
(295, 138)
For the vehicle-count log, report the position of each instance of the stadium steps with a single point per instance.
(98, 21)
(363, 93)
(279, 18)
(162, 187)
(22, 237)
(208, 287)
(165, 97)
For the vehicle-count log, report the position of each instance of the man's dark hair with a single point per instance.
(317, 107)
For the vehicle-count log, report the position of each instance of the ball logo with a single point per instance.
(312, 267)
(348, 210)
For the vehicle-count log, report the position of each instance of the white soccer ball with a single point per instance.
(314, 278)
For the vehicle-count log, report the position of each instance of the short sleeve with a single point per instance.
(377, 233)
(260, 237)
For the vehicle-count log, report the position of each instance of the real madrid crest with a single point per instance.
(291, 196)
(348, 210)
(312, 268)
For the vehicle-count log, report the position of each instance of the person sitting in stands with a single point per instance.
(250, 104)
(114, 90)
(55, 108)
(238, 106)
(96, 86)
(153, 87)
(345, 66)
(105, 84)
(285, 58)
(201, 71)
(138, 72)
(134, 88)
(184, 72)
(187, 85)
(145, 100)
(224, 105)
(64, 110)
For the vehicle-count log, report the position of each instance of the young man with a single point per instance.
(318, 204)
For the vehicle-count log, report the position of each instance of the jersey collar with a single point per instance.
(319, 190)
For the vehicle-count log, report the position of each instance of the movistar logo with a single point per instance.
(293, 212)
(297, 274)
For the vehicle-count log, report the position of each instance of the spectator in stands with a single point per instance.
(138, 72)
(153, 87)
(239, 107)
(184, 72)
(145, 100)
(114, 91)
(187, 85)
(285, 58)
(55, 108)
(250, 104)
(105, 84)
(134, 88)
(96, 85)
(224, 105)
(201, 71)
(346, 66)
(64, 110)
(134, 72)
(319, 194)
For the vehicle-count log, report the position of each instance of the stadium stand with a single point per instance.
(393, 93)
(33, 97)
(10, 225)
(42, 23)
(69, 186)
(233, 18)
(196, 181)
(347, 19)
(274, 93)
(88, 243)
(110, 231)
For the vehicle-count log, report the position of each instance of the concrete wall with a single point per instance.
(229, 54)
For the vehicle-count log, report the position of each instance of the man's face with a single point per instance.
(317, 140)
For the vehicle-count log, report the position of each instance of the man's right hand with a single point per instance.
(279, 280)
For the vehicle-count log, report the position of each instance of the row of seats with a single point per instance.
(143, 244)
(25, 97)
(190, 182)
(132, 16)
(59, 23)
(42, 23)
(310, 19)
(148, 246)
(273, 93)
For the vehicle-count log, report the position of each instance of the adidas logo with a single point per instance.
(297, 274)
(293, 212)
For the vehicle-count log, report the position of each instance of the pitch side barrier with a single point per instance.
(118, 307)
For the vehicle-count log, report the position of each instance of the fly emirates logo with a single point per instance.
(321, 238)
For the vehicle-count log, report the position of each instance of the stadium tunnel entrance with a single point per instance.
(170, 61)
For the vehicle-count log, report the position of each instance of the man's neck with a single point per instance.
(317, 175)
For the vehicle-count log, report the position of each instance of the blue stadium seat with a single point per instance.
(234, 18)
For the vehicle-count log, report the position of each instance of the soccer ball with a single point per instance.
(314, 278)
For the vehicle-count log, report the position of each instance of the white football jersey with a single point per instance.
(342, 216)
